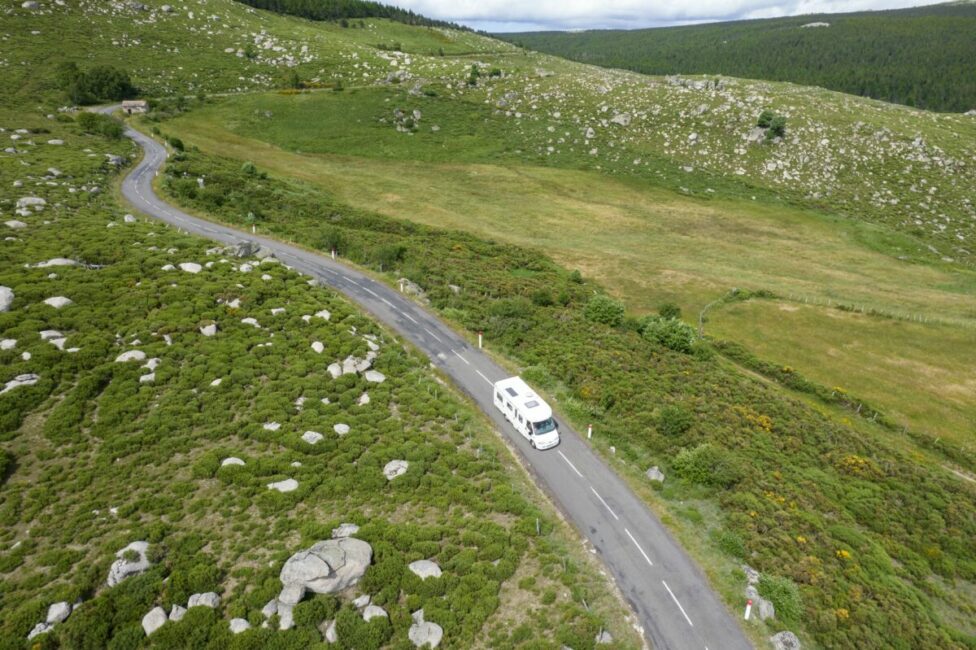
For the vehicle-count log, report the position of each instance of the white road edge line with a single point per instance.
(605, 504)
(490, 383)
(683, 612)
(568, 462)
(458, 355)
(638, 547)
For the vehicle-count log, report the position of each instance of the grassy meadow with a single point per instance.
(646, 244)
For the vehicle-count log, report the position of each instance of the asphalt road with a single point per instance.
(670, 595)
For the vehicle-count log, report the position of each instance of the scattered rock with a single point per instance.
(785, 641)
(373, 611)
(207, 599)
(334, 369)
(330, 632)
(233, 460)
(395, 468)
(131, 355)
(752, 576)
(238, 625)
(129, 218)
(288, 485)
(58, 613)
(375, 377)
(147, 378)
(6, 298)
(56, 261)
(8, 344)
(122, 568)
(191, 267)
(154, 620)
(58, 302)
(763, 607)
(177, 613)
(604, 638)
(424, 633)
(252, 322)
(425, 569)
(270, 608)
(362, 601)
(15, 224)
(271, 426)
(327, 567)
(312, 437)
(32, 6)
(341, 429)
(344, 530)
(621, 119)
(323, 314)
(363, 399)
(655, 474)
(209, 330)
(40, 628)
(318, 347)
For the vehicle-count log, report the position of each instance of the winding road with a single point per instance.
(673, 601)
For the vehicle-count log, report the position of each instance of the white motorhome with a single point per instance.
(527, 412)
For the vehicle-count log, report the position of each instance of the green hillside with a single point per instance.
(841, 469)
(923, 57)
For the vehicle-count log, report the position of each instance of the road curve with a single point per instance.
(671, 597)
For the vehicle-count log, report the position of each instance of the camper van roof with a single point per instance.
(531, 405)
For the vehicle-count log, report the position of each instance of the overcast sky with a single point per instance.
(530, 15)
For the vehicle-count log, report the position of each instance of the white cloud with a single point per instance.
(518, 15)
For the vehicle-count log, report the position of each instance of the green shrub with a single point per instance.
(604, 309)
(765, 119)
(100, 83)
(707, 464)
(673, 334)
(785, 596)
(669, 310)
(674, 420)
(99, 124)
(176, 143)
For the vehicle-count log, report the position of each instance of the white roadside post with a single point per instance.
(401, 286)
(748, 608)
(479, 339)
(333, 253)
(589, 431)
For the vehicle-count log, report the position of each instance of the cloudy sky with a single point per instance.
(528, 15)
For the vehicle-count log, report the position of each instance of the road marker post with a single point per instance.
(748, 608)
(333, 253)
(401, 286)
(589, 431)
(253, 229)
(479, 339)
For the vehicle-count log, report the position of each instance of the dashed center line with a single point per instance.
(675, 599)
(410, 318)
(570, 463)
(459, 356)
(485, 378)
(638, 547)
(437, 338)
(605, 504)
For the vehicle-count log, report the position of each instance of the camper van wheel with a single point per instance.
(532, 442)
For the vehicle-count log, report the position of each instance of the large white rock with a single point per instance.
(270, 608)
(209, 330)
(334, 369)
(31, 202)
(362, 601)
(323, 314)
(8, 344)
(318, 347)
(288, 485)
(28, 379)
(341, 428)
(312, 437)
(271, 426)
(330, 632)
(6, 298)
(785, 641)
(233, 460)
(123, 568)
(191, 267)
(375, 377)
(251, 321)
(424, 633)
(655, 474)
(207, 599)
(373, 611)
(15, 224)
(395, 468)
(238, 625)
(425, 569)
(58, 302)
(327, 567)
(58, 612)
(154, 620)
(131, 355)
(56, 261)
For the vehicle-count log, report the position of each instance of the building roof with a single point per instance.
(133, 102)
(531, 405)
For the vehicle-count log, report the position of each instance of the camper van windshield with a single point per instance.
(543, 427)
